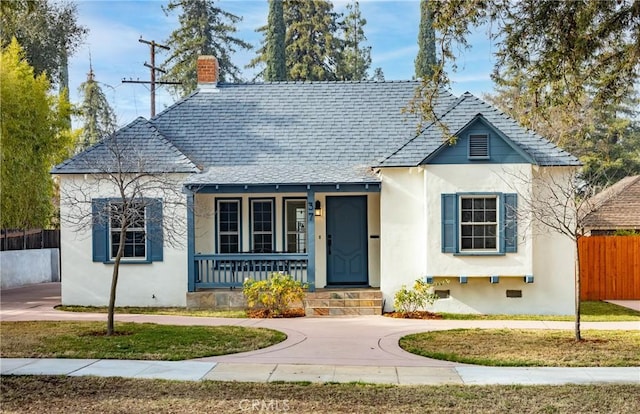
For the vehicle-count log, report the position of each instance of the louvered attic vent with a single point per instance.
(479, 146)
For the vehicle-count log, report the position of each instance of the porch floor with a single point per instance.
(322, 302)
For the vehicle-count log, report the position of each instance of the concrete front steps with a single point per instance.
(322, 302)
(344, 302)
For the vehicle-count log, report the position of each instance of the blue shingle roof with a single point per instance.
(463, 111)
(303, 132)
(137, 147)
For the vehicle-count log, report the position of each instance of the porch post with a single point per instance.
(311, 240)
(191, 243)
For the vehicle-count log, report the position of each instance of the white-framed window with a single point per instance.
(228, 225)
(262, 225)
(295, 222)
(135, 241)
(478, 223)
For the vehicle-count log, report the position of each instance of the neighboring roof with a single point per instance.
(302, 132)
(616, 207)
(139, 146)
(458, 116)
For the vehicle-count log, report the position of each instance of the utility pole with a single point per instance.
(153, 69)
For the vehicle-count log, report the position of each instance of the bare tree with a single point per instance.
(550, 200)
(122, 189)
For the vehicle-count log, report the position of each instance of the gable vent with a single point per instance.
(479, 146)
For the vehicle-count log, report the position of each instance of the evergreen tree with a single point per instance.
(48, 32)
(426, 59)
(204, 30)
(571, 51)
(276, 69)
(355, 59)
(312, 47)
(378, 75)
(33, 139)
(98, 119)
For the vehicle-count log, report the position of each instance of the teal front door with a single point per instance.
(347, 261)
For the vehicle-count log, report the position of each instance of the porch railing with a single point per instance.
(230, 270)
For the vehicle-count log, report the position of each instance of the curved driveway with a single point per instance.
(349, 341)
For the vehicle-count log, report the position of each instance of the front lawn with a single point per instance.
(519, 347)
(132, 340)
(122, 395)
(590, 311)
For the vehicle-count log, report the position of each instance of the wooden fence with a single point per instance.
(609, 267)
(29, 239)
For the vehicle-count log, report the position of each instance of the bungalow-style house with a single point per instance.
(615, 208)
(332, 183)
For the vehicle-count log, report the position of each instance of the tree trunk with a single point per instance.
(577, 290)
(114, 285)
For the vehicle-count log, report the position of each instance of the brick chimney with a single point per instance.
(207, 72)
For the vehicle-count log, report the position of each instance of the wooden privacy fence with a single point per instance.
(609, 267)
(29, 239)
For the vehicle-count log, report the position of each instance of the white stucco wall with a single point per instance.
(85, 282)
(25, 267)
(411, 243)
(402, 229)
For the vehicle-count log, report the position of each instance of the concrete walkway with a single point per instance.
(342, 349)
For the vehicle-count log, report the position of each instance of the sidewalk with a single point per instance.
(401, 375)
(344, 349)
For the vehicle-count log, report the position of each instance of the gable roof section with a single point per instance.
(139, 145)
(465, 110)
(616, 207)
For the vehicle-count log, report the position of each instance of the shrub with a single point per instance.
(276, 294)
(422, 294)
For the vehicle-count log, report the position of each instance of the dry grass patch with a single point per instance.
(133, 340)
(518, 347)
(142, 310)
(118, 395)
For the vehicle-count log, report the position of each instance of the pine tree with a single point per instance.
(48, 32)
(204, 30)
(312, 45)
(426, 59)
(97, 117)
(276, 69)
(355, 59)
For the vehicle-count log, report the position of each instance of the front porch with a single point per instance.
(321, 235)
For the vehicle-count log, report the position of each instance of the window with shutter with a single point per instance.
(479, 223)
(141, 223)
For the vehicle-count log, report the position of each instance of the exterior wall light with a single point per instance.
(318, 208)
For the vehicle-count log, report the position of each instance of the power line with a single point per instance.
(153, 70)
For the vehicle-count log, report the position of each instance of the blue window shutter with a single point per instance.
(510, 217)
(449, 223)
(100, 229)
(155, 239)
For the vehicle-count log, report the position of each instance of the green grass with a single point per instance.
(531, 347)
(141, 310)
(132, 340)
(590, 311)
(121, 395)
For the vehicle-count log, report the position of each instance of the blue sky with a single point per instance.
(116, 26)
